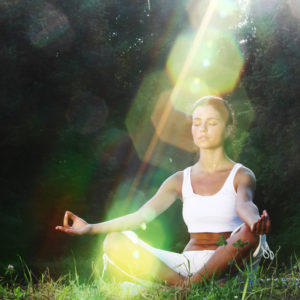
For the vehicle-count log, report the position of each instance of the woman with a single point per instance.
(217, 195)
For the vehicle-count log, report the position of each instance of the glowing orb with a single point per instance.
(172, 127)
(142, 131)
(189, 90)
(226, 13)
(215, 67)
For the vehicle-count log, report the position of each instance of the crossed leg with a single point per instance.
(138, 261)
(141, 263)
(218, 264)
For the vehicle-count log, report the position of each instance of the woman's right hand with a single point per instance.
(78, 227)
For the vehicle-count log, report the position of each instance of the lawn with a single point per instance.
(270, 282)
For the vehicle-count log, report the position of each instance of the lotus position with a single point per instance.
(217, 202)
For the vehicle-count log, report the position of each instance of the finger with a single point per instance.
(263, 225)
(67, 230)
(258, 228)
(255, 227)
(58, 227)
(266, 214)
(71, 215)
(268, 226)
(61, 228)
(66, 219)
(268, 221)
(68, 215)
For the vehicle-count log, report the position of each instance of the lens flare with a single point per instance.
(134, 256)
(151, 104)
(48, 26)
(177, 127)
(226, 13)
(216, 68)
(130, 258)
(187, 91)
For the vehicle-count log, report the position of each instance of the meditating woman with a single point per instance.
(217, 195)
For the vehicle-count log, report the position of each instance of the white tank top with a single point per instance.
(213, 213)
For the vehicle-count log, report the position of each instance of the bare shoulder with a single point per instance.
(174, 182)
(244, 176)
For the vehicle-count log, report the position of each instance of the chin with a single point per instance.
(208, 145)
(203, 146)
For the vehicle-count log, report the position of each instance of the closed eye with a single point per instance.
(209, 123)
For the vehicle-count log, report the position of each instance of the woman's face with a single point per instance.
(208, 127)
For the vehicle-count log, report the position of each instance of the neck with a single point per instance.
(212, 160)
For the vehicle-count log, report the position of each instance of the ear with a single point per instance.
(228, 131)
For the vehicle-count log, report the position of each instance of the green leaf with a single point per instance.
(222, 241)
(18, 292)
(240, 244)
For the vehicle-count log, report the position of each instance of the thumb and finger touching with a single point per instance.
(79, 226)
(68, 215)
(66, 227)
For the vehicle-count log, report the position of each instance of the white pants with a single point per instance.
(189, 262)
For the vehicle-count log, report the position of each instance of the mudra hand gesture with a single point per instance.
(78, 227)
(262, 225)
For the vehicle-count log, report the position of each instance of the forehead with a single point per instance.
(206, 112)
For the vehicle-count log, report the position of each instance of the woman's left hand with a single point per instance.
(262, 225)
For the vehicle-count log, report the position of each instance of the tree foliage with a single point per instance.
(69, 72)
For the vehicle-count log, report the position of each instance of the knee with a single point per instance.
(111, 241)
(249, 236)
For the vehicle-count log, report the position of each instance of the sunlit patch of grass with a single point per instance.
(270, 282)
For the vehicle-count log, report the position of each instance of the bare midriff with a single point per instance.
(205, 241)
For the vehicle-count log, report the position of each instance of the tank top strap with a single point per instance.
(230, 178)
(186, 184)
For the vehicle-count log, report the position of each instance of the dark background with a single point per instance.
(69, 71)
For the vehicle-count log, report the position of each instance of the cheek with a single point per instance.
(219, 132)
(194, 130)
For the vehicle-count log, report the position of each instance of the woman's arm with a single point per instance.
(245, 207)
(164, 198)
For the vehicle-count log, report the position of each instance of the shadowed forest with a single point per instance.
(84, 125)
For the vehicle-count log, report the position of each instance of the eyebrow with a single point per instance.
(197, 118)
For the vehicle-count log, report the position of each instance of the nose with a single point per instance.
(202, 127)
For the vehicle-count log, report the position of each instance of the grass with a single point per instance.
(271, 282)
